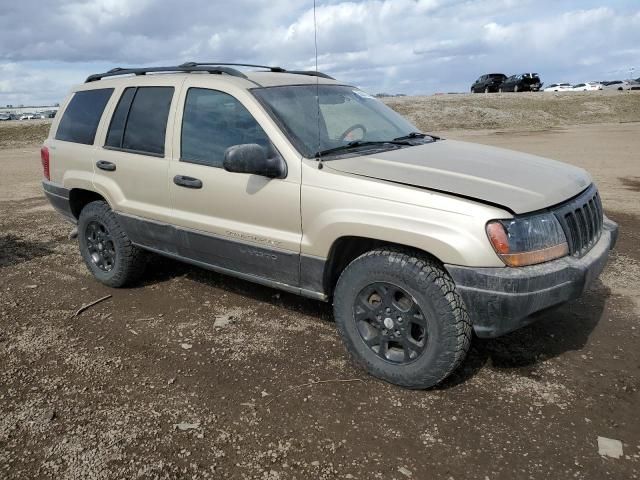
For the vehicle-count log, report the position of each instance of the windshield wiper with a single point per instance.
(415, 135)
(359, 143)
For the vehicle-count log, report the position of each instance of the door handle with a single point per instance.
(187, 182)
(108, 166)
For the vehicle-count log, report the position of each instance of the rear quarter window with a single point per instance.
(82, 116)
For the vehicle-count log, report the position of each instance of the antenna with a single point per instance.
(315, 43)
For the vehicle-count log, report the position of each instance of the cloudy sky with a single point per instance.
(408, 46)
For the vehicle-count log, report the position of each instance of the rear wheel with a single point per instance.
(401, 318)
(105, 247)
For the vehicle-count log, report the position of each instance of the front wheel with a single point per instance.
(401, 318)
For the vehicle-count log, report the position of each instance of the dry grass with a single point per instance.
(531, 111)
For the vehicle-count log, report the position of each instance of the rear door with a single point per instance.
(131, 167)
(241, 222)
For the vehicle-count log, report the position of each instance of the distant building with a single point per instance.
(33, 109)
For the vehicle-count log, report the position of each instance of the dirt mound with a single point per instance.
(531, 111)
(19, 133)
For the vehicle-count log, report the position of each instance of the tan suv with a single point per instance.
(297, 181)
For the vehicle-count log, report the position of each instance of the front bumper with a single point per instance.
(500, 300)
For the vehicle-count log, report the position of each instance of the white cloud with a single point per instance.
(415, 46)
(86, 15)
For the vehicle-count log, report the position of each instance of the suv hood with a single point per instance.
(518, 181)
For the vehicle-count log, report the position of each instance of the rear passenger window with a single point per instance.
(214, 121)
(82, 116)
(139, 123)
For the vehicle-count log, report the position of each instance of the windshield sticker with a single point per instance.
(362, 94)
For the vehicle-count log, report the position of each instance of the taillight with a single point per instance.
(44, 157)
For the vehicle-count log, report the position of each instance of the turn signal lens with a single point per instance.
(528, 240)
(498, 236)
(539, 256)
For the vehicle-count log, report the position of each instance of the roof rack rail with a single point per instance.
(201, 64)
(180, 68)
(311, 73)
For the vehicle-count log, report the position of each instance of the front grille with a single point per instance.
(581, 219)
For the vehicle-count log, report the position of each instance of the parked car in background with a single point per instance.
(4, 117)
(587, 87)
(616, 85)
(488, 83)
(559, 87)
(524, 82)
(27, 116)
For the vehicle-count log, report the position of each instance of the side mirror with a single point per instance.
(252, 158)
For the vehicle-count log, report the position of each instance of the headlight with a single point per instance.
(528, 240)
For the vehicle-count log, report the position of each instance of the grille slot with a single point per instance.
(581, 219)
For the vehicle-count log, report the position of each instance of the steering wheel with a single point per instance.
(351, 129)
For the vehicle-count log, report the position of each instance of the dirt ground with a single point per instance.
(197, 375)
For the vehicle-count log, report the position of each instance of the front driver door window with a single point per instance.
(212, 122)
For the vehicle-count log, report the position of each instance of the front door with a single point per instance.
(244, 223)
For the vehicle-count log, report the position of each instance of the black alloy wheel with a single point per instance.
(391, 323)
(100, 246)
(401, 318)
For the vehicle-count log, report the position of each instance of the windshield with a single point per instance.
(345, 116)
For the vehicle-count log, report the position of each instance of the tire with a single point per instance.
(424, 303)
(486, 89)
(515, 88)
(500, 90)
(106, 249)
